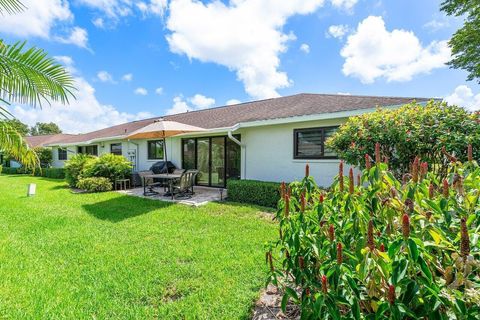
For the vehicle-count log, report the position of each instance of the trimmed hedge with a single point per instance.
(52, 173)
(256, 192)
(8, 170)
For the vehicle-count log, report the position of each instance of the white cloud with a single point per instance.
(372, 52)
(115, 9)
(159, 91)
(337, 31)
(38, 19)
(179, 106)
(437, 24)
(78, 36)
(104, 76)
(127, 77)
(239, 36)
(158, 7)
(344, 4)
(344, 93)
(141, 91)
(83, 114)
(99, 23)
(463, 96)
(198, 101)
(233, 101)
(67, 62)
(305, 48)
(202, 102)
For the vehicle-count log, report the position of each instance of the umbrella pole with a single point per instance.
(165, 151)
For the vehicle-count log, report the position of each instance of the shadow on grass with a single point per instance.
(125, 207)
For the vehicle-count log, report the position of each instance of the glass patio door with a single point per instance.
(217, 162)
(203, 161)
(215, 158)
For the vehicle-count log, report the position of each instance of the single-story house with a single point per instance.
(269, 140)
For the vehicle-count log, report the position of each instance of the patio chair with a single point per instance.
(184, 186)
(178, 171)
(193, 179)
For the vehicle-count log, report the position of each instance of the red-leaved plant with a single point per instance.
(384, 249)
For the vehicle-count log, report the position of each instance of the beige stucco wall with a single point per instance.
(268, 154)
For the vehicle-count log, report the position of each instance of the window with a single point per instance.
(116, 148)
(92, 150)
(62, 154)
(155, 149)
(310, 143)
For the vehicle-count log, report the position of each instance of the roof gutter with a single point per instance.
(231, 137)
(78, 143)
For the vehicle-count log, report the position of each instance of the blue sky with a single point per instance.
(136, 59)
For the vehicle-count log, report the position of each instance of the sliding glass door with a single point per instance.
(216, 158)
(217, 162)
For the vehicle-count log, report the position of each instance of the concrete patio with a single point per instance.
(202, 195)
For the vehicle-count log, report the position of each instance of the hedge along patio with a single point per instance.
(107, 255)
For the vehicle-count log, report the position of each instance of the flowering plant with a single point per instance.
(379, 247)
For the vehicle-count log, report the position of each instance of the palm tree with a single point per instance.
(27, 76)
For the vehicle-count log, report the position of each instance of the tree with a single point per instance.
(18, 126)
(465, 43)
(28, 76)
(43, 128)
(410, 131)
(45, 156)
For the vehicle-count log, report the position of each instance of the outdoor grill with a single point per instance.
(161, 167)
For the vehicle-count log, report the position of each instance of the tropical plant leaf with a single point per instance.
(13, 144)
(11, 6)
(31, 77)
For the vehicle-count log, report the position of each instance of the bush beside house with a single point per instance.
(260, 193)
(109, 167)
(95, 184)
(407, 132)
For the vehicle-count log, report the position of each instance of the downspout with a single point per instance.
(242, 145)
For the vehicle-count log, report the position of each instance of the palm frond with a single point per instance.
(31, 77)
(11, 6)
(13, 144)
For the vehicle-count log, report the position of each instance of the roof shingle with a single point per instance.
(275, 108)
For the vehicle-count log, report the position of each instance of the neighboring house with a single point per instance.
(268, 140)
(34, 142)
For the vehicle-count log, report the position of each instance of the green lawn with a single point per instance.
(108, 256)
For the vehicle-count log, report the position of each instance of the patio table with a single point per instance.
(170, 177)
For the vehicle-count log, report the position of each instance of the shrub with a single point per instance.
(74, 168)
(410, 131)
(53, 173)
(256, 192)
(1, 167)
(382, 248)
(109, 166)
(9, 170)
(95, 184)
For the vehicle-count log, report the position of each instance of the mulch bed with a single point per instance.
(268, 307)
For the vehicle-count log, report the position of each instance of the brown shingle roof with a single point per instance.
(41, 141)
(284, 107)
(275, 108)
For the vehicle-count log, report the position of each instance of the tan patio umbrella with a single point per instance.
(161, 129)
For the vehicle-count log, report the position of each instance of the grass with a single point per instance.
(110, 256)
